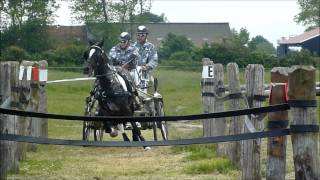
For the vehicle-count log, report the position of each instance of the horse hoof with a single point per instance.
(147, 148)
(113, 133)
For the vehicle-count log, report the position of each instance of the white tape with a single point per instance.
(70, 80)
(208, 72)
(249, 124)
(29, 71)
(21, 71)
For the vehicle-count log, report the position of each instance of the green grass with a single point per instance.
(181, 92)
(220, 165)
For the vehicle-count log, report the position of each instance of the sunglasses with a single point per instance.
(123, 41)
(141, 35)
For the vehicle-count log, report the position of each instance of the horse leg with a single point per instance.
(124, 135)
(136, 135)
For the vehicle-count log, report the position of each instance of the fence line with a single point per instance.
(29, 94)
(249, 161)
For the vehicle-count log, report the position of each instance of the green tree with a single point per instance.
(310, 13)
(14, 53)
(26, 24)
(91, 11)
(260, 44)
(149, 17)
(16, 12)
(175, 43)
(241, 38)
(106, 11)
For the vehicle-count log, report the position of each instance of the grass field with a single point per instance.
(181, 91)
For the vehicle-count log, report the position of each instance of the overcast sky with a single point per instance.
(270, 18)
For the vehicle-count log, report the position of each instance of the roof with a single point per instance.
(302, 37)
(198, 33)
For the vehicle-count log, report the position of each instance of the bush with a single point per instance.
(14, 53)
(175, 43)
(182, 65)
(181, 56)
(71, 54)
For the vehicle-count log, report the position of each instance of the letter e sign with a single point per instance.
(208, 72)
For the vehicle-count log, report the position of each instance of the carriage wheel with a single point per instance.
(163, 125)
(88, 126)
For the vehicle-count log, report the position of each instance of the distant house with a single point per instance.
(308, 40)
(198, 33)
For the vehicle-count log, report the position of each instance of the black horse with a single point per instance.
(113, 90)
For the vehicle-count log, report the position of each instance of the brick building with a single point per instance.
(198, 33)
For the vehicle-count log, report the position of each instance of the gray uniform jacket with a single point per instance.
(129, 56)
(148, 54)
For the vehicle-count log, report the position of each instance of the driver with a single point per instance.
(124, 54)
(147, 51)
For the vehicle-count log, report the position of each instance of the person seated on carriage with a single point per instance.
(147, 51)
(148, 59)
(125, 55)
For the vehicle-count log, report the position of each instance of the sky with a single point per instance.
(272, 19)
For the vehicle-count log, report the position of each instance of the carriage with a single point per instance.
(150, 103)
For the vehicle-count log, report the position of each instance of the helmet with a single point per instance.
(142, 30)
(124, 36)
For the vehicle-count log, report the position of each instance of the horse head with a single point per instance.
(96, 59)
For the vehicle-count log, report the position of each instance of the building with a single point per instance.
(198, 33)
(308, 40)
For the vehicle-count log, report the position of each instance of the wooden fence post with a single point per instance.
(305, 145)
(207, 95)
(219, 124)
(276, 165)
(250, 151)
(24, 94)
(8, 158)
(236, 122)
(43, 66)
(34, 105)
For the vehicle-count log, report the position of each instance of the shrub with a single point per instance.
(71, 54)
(14, 53)
(181, 55)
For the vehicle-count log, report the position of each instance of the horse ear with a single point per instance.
(100, 44)
(91, 42)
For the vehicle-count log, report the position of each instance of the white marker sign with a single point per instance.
(43, 74)
(29, 71)
(207, 72)
(21, 72)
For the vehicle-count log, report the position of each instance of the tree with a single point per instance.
(149, 17)
(26, 23)
(310, 13)
(260, 44)
(89, 11)
(175, 43)
(106, 11)
(16, 12)
(241, 38)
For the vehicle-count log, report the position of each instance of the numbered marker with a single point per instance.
(208, 72)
